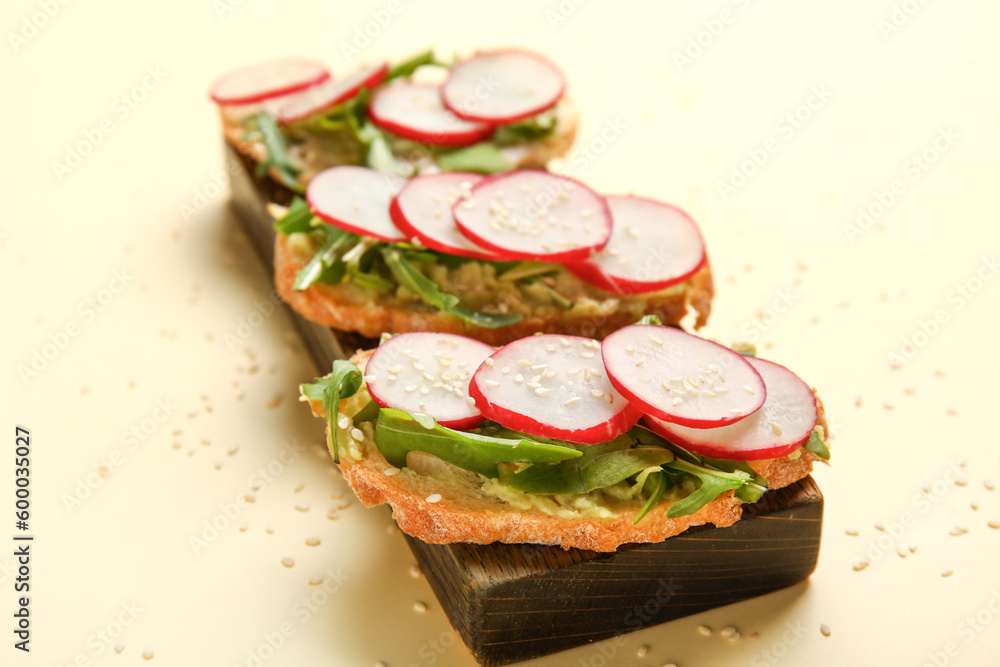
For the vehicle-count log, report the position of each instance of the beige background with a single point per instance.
(142, 205)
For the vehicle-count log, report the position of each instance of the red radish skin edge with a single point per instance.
(275, 92)
(372, 81)
(518, 117)
(711, 452)
(590, 273)
(565, 257)
(599, 433)
(648, 408)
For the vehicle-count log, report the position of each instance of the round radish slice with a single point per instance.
(330, 93)
(529, 214)
(428, 373)
(652, 247)
(422, 209)
(262, 81)
(552, 386)
(502, 86)
(785, 421)
(356, 199)
(414, 111)
(681, 378)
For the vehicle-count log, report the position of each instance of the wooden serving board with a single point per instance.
(515, 602)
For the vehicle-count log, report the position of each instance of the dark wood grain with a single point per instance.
(515, 602)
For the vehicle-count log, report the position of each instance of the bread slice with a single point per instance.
(347, 308)
(311, 154)
(466, 513)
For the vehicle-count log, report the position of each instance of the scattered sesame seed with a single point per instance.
(518, 378)
(990, 486)
(288, 562)
(433, 498)
(343, 423)
(302, 507)
(587, 355)
(542, 391)
(524, 363)
(312, 542)
(389, 472)
(643, 378)
(492, 383)
(775, 428)
(901, 552)
(414, 571)
(489, 362)
(470, 401)
(596, 393)
(369, 379)
(411, 388)
(748, 389)
(642, 651)
(753, 638)
(733, 638)
(534, 385)
(357, 434)
(961, 481)
(705, 630)
(678, 400)
(119, 647)
(736, 411)
(879, 526)
(640, 361)
(147, 654)
(419, 607)
(912, 547)
(947, 573)
(995, 525)
(573, 371)
(825, 629)
(550, 374)
(629, 349)
(974, 505)
(958, 530)
(861, 564)
(655, 339)
(853, 532)
(575, 399)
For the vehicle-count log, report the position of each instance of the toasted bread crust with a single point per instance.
(453, 520)
(336, 307)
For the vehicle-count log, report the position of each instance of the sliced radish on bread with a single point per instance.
(263, 81)
(502, 86)
(422, 210)
(681, 378)
(782, 425)
(356, 199)
(529, 214)
(330, 93)
(428, 373)
(652, 247)
(414, 111)
(552, 386)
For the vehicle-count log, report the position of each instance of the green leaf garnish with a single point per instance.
(327, 264)
(816, 444)
(412, 279)
(660, 482)
(713, 483)
(481, 158)
(297, 219)
(277, 154)
(398, 433)
(650, 319)
(343, 382)
(408, 67)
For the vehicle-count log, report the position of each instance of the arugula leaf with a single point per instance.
(557, 298)
(343, 382)
(660, 481)
(397, 433)
(528, 269)
(650, 319)
(481, 158)
(529, 129)
(412, 279)
(368, 413)
(326, 265)
(816, 445)
(407, 67)
(713, 483)
(277, 155)
(297, 219)
(747, 349)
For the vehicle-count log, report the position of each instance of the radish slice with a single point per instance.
(356, 199)
(502, 86)
(529, 214)
(781, 426)
(552, 386)
(414, 111)
(681, 378)
(266, 80)
(330, 93)
(652, 247)
(422, 210)
(428, 373)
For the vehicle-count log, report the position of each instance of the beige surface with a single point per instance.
(676, 131)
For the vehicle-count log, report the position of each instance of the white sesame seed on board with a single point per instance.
(995, 525)
(629, 349)
(302, 507)
(861, 564)
(434, 498)
(288, 562)
(704, 630)
(825, 629)
(853, 532)
(147, 654)
(642, 651)
(947, 573)
(990, 486)
(119, 647)
(312, 541)
(524, 363)
(726, 631)
(420, 607)
(414, 571)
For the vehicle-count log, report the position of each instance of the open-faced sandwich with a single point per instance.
(496, 258)
(566, 440)
(493, 112)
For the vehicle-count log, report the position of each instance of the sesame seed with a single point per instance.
(853, 532)
(861, 564)
(655, 339)
(733, 638)
(643, 378)
(575, 399)
(775, 428)
(539, 367)
(642, 651)
(722, 390)
(492, 383)
(596, 393)
(709, 394)
(288, 562)
(550, 374)
(640, 361)
(419, 607)
(369, 379)
(411, 388)
(901, 552)
(748, 389)
(726, 631)
(470, 401)
(564, 342)
(990, 486)
(505, 370)
(912, 547)
(357, 434)
(995, 525)
(550, 348)
(542, 391)
(343, 423)
(434, 498)
(389, 472)
(666, 385)
(518, 378)
(736, 411)
(534, 385)
(678, 400)
(312, 541)
(958, 530)
(414, 571)
(825, 629)
(586, 355)
(147, 654)
(418, 367)
(630, 230)
(573, 371)
(705, 630)
(356, 206)
(629, 349)
(947, 573)
(424, 389)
